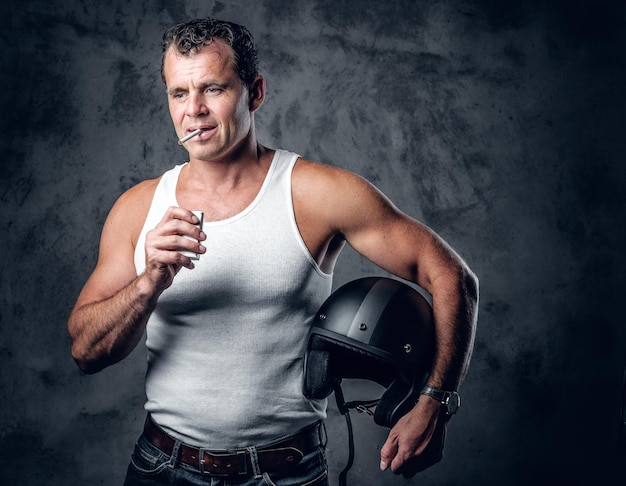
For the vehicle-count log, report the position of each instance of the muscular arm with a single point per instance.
(412, 251)
(105, 331)
(111, 312)
(352, 208)
(417, 440)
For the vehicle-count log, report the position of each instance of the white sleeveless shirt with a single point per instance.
(226, 341)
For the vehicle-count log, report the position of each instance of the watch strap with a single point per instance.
(449, 399)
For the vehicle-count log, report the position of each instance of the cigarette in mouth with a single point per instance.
(191, 135)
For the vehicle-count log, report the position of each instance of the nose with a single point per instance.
(196, 105)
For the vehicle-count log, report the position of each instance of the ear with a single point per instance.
(256, 92)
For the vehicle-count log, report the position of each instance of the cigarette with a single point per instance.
(191, 135)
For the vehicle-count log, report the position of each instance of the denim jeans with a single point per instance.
(149, 466)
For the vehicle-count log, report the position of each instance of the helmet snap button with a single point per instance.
(362, 326)
(407, 348)
(322, 317)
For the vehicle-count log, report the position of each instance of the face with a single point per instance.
(204, 91)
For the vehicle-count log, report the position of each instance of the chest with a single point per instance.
(219, 205)
(250, 260)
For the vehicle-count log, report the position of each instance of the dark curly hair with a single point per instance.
(189, 37)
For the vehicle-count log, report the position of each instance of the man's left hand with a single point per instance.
(416, 442)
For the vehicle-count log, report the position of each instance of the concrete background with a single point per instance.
(499, 124)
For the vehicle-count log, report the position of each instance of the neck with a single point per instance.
(222, 190)
(246, 164)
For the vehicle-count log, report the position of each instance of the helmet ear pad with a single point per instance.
(399, 398)
(328, 361)
(318, 382)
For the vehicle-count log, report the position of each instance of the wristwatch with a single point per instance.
(449, 399)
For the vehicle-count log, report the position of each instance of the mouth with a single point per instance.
(195, 131)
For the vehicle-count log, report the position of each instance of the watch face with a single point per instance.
(452, 402)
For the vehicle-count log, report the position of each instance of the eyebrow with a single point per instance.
(203, 86)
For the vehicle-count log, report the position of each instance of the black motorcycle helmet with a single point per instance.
(376, 329)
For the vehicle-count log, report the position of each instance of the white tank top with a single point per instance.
(226, 341)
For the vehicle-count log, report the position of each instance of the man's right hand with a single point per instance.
(177, 231)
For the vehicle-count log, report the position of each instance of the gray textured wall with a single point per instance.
(499, 124)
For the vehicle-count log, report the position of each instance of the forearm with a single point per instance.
(416, 442)
(455, 308)
(106, 331)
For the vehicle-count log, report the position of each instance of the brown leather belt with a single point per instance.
(276, 456)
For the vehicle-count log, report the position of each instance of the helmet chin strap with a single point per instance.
(345, 411)
(364, 406)
(344, 408)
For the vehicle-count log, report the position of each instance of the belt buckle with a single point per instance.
(227, 467)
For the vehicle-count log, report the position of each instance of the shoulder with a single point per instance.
(324, 179)
(317, 180)
(139, 194)
(130, 210)
(341, 197)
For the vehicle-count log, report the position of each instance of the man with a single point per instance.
(226, 332)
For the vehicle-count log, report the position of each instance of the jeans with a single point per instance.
(149, 466)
